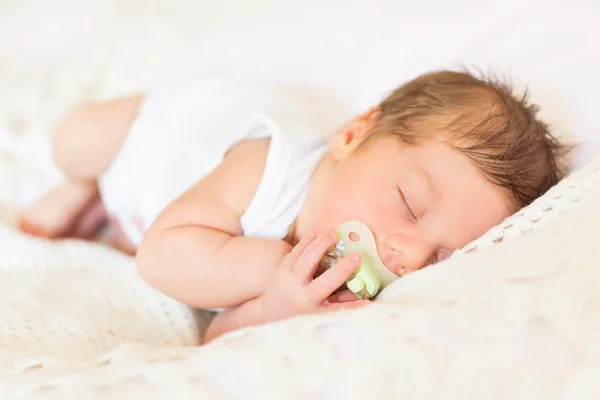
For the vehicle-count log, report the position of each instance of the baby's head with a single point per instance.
(441, 160)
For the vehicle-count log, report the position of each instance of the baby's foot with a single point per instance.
(90, 221)
(57, 214)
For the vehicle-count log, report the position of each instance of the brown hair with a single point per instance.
(498, 132)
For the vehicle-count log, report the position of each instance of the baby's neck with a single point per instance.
(317, 187)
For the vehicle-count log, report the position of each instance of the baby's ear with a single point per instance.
(353, 133)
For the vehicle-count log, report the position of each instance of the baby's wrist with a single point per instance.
(257, 310)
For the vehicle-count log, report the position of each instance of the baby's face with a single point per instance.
(422, 202)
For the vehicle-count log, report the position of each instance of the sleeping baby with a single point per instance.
(228, 195)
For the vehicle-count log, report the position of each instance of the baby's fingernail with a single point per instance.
(311, 235)
(333, 235)
(356, 258)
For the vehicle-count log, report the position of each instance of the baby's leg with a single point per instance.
(85, 144)
(64, 212)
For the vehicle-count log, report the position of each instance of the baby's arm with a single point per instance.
(292, 290)
(195, 253)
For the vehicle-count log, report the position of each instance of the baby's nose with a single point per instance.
(403, 254)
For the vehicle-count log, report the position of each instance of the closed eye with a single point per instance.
(406, 204)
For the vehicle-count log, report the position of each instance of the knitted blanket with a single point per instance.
(513, 315)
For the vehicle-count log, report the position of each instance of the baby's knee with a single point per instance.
(89, 138)
(64, 141)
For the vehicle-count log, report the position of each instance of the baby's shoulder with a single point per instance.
(244, 165)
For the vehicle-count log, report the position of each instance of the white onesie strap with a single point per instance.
(291, 161)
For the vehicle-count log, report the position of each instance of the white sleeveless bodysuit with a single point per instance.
(182, 132)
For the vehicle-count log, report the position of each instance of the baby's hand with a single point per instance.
(293, 290)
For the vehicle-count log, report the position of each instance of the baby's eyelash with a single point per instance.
(440, 256)
(436, 258)
(406, 204)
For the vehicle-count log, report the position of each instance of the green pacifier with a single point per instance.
(372, 275)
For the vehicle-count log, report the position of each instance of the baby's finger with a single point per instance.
(328, 282)
(342, 297)
(307, 263)
(297, 251)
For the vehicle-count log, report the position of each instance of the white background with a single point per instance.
(345, 54)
